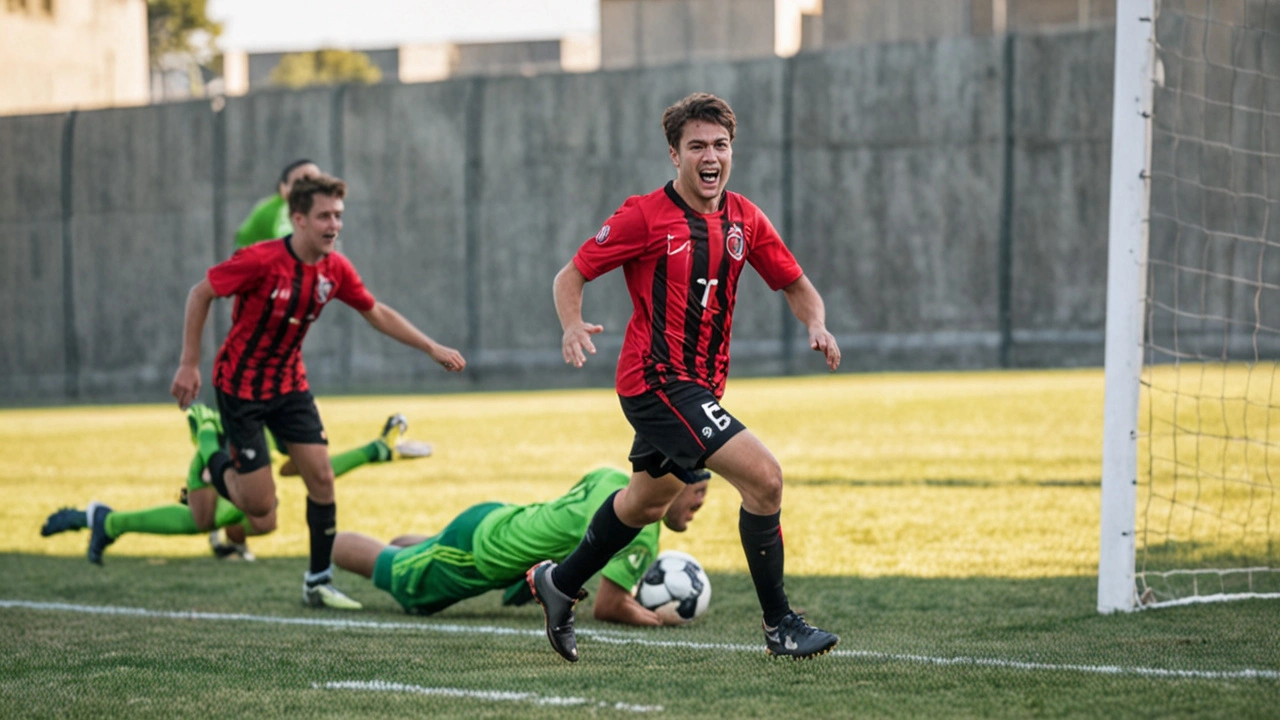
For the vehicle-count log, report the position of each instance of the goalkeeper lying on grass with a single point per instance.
(490, 546)
(200, 509)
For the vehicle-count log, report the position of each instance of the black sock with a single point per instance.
(762, 542)
(606, 535)
(323, 522)
(218, 463)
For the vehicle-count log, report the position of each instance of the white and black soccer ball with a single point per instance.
(675, 587)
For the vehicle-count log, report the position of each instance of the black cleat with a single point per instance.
(795, 638)
(557, 607)
(98, 539)
(67, 518)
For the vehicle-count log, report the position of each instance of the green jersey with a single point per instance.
(268, 220)
(512, 538)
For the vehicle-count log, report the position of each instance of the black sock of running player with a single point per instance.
(323, 522)
(606, 535)
(762, 542)
(218, 464)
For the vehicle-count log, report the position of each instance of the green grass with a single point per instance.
(946, 525)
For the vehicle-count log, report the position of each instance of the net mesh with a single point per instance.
(1210, 423)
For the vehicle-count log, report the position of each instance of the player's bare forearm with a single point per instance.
(186, 381)
(576, 343)
(386, 320)
(614, 604)
(806, 304)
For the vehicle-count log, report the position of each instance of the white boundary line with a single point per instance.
(631, 638)
(493, 695)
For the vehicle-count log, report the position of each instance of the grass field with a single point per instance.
(946, 525)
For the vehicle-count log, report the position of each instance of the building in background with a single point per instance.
(72, 54)
(65, 54)
(845, 22)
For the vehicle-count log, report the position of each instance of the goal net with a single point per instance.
(1192, 429)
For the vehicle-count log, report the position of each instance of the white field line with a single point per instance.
(614, 637)
(492, 695)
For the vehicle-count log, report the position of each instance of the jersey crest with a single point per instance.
(734, 242)
(324, 287)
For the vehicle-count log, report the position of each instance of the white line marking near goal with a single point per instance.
(614, 637)
(495, 695)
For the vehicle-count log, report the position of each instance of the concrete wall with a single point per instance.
(947, 198)
(72, 54)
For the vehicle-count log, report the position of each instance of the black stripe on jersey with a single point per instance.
(299, 274)
(694, 309)
(723, 292)
(659, 351)
(288, 363)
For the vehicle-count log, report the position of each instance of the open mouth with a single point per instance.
(709, 176)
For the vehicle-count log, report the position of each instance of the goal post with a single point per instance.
(1190, 504)
(1126, 293)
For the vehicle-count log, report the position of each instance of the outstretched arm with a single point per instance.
(615, 604)
(186, 381)
(806, 304)
(576, 343)
(387, 321)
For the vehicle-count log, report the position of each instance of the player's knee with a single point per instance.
(765, 490)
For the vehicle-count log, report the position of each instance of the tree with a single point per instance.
(324, 67)
(182, 37)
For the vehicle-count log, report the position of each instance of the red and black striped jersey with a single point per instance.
(277, 298)
(682, 269)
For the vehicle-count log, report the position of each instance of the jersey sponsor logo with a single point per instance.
(602, 235)
(673, 250)
(735, 242)
(324, 286)
(282, 293)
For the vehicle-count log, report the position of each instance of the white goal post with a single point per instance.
(1190, 507)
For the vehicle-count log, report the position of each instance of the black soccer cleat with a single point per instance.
(68, 518)
(557, 607)
(797, 639)
(98, 538)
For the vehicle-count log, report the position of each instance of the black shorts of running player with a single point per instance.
(678, 426)
(291, 418)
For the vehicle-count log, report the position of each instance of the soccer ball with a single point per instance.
(675, 587)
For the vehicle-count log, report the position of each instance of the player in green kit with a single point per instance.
(200, 508)
(269, 219)
(491, 545)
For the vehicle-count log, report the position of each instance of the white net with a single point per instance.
(1209, 439)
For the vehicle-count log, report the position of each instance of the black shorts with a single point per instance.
(677, 428)
(291, 418)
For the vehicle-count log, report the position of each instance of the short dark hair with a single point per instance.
(698, 106)
(302, 196)
(284, 174)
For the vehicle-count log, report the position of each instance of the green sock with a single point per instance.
(194, 471)
(207, 442)
(224, 513)
(376, 451)
(172, 519)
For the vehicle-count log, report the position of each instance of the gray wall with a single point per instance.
(947, 198)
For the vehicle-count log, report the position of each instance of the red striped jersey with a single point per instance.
(277, 298)
(682, 269)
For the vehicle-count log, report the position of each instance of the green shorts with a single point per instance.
(439, 571)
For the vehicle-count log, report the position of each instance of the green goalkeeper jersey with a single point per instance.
(514, 537)
(268, 220)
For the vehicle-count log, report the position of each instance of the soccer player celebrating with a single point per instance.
(281, 286)
(682, 248)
